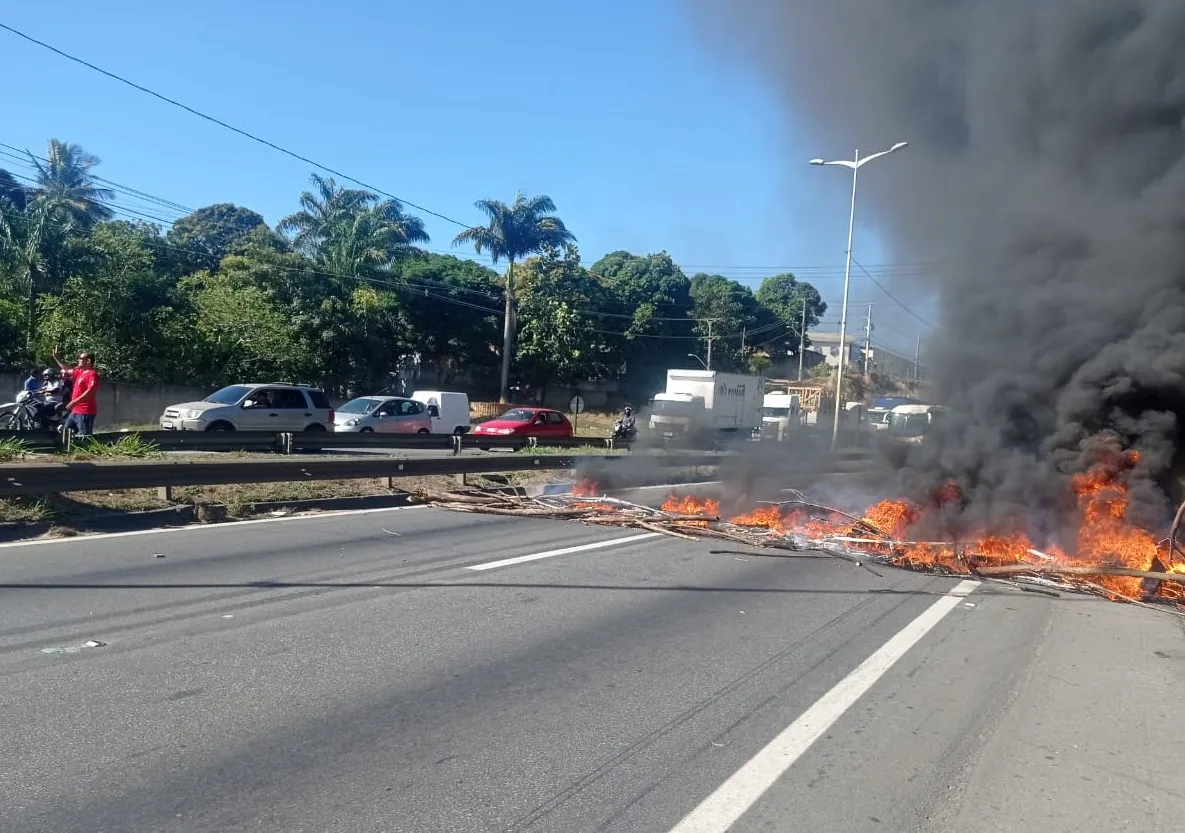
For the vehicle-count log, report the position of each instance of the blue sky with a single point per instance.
(645, 139)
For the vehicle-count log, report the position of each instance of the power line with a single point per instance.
(891, 295)
(226, 125)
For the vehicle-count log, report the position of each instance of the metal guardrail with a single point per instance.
(48, 478)
(264, 441)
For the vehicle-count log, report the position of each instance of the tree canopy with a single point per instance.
(340, 293)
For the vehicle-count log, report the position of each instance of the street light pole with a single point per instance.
(855, 164)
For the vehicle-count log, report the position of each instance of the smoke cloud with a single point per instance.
(1046, 174)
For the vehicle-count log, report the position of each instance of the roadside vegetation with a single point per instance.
(348, 289)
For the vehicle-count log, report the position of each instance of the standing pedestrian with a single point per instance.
(83, 406)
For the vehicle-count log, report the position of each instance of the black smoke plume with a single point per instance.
(1046, 174)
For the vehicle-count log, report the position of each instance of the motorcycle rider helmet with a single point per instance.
(49, 373)
(628, 410)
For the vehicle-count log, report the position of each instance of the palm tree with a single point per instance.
(65, 177)
(349, 231)
(525, 227)
(25, 238)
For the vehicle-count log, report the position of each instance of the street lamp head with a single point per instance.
(817, 162)
(898, 146)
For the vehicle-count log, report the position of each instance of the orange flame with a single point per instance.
(691, 505)
(585, 488)
(1104, 537)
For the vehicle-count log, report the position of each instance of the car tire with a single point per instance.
(484, 447)
(220, 426)
(366, 431)
(316, 426)
(423, 431)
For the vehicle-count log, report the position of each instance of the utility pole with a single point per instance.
(917, 357)
(867, 338)
(710, 321)
(801, 339)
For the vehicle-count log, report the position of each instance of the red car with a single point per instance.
(542, 423)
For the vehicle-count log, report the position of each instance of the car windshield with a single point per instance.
(228, 395)
(518, 415)
(777, 412)
(361, 405)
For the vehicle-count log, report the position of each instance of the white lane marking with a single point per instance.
(595, 545)
(720, 810)
(103, 536)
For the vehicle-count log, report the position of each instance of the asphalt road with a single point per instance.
(354, 673)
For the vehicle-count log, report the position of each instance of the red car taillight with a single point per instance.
(331, 416)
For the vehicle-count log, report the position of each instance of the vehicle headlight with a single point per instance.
(191, 414)
(350, 423)
(505, 430)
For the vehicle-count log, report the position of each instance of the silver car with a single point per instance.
(253, 407)
(384, 414)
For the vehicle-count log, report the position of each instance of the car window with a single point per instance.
(288, 398)
(410, 408)
(555, 418)
(518, 415)
(228, 395)
(320, 400)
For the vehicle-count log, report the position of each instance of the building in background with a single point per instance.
(827, 345)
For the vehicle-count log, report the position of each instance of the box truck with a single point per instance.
(707, 406)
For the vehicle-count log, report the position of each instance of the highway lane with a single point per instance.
(354, 672)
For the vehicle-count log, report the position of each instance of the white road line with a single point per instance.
(596, 545)
(720, 810)
(103, 536)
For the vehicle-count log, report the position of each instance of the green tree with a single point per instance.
(525, 227)
(734, 314)
(32, 240)
(561, 340)
(65, 178)
(122, 308)
(13, 192)
(201, 239)
(651, 302)
(451, 315)
(786, 297)
(349, 231)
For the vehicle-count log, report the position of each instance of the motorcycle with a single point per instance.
(27, 413)
(621, 433)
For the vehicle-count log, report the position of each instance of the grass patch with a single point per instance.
(14, 449)
(128, 446)
(580, 451)
(26, 510)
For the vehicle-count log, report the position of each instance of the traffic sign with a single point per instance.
(576, 406)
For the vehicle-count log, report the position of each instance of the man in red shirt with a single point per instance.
(84, 398)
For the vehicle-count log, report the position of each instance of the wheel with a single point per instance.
(484, 447)
(315, 427)
(9, 421)
(220, 426)
(460, 430)
(423, 431)
(366, 431)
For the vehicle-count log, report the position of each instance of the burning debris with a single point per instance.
(1109, 556)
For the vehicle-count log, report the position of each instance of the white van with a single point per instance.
(449, 410)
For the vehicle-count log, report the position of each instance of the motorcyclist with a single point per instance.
(52, 395)
(626, 425)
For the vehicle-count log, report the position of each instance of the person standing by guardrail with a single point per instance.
(83, 406)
